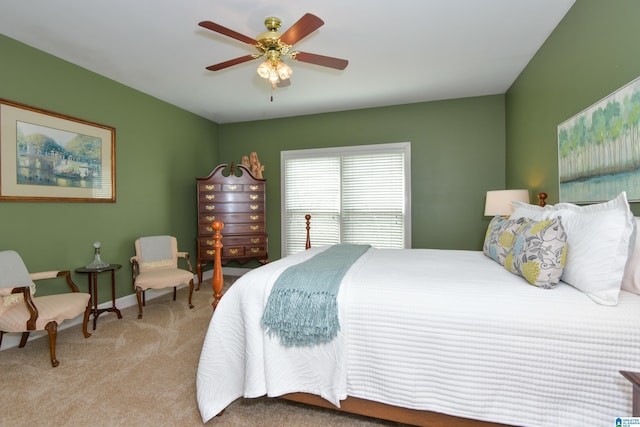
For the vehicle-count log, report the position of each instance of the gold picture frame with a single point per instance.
(51, 157)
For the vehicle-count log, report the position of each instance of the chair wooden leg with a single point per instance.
(85, 320)
(190, 293)
(23, 340)
(52, 329)
(174, 292)
(1, 334)
(139, 296)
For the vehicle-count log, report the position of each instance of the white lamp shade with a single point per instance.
(498, 202)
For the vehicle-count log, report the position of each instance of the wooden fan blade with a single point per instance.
(227, 32)
(301, 29)
(230, 63)
(325, 61)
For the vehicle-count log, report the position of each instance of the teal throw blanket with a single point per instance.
(302, 309)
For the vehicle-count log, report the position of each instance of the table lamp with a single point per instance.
(498, 202)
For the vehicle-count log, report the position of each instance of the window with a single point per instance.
(357, 194)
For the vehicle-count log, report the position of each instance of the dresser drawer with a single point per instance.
(208, 186)
(208, 218)
(247, 197)
(243, 228)
(254, 187)
(232, 187)
(206, 242)
(231, 218)
(242, 251)
(206, 229)
(207, 254)
(232, 251)
(231, 207)
(255, 240)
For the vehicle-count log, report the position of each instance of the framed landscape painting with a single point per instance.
(45, 156)
(599, 149)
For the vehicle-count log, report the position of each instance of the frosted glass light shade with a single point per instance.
(264, 69)
(498, 202)
(284, 71)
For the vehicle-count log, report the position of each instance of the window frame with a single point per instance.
(404, 147)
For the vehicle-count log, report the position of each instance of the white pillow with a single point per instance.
(526, 210)
(631, 277)
(598, 237)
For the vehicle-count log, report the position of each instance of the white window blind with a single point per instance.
(357, 194)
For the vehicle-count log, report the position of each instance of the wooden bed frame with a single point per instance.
(354, 405)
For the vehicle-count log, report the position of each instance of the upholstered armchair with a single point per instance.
(21, 312)
(155, 266)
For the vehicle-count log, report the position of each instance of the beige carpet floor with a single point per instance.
(134, 372)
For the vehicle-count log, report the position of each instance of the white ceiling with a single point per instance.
(399, 52)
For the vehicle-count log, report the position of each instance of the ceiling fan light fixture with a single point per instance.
(264, 69)
(273, 76)
(274, 71)
(284, 71)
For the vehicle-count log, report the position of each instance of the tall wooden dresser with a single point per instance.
(237, 198)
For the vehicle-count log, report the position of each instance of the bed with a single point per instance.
(451, 337)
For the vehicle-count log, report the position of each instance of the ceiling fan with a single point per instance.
(274, 46)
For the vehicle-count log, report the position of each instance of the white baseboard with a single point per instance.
(10, 340)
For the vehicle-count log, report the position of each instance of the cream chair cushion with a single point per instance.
(50, 308)
(163, 278)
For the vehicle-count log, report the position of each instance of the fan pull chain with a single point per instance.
(271, 93)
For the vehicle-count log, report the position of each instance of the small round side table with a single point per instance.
(93, 289)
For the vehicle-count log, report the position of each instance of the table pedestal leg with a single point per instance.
(93, 293)
(113, 295)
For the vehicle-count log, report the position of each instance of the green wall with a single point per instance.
(160, 150)
(460, 148)
(458, 153)
(592, 53)
(457, 149)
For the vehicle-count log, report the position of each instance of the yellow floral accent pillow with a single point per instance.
(539, 253)
(500, 237)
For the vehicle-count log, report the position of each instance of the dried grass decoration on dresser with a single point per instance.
(252, 163)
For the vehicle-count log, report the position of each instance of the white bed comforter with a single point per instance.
(440, 330)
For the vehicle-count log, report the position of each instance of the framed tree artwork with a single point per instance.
(599, 149)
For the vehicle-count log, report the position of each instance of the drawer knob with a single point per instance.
(210, 207)
(233, 187)
(254, 207)
(209, 187)
(253, 196)
(210, 196)
(209, 242)
(255, 240)
(255, 217)
(210, 252)
(210, 229)
(233, 251)
(255, 250)
(253, 187)
(254, 227)
(210, 218)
